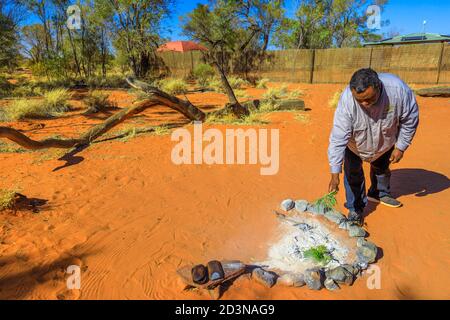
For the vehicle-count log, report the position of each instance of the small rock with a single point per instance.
(352, 269)
(291, 280)
(340, 275)
(367, 252)
(313, 209)
(287, 204)
(313, 279)
(355, 231)
(363, 265)
(264, 277)
(304, 226)
(344, 225)
(301, 205)
(331, 285)
(335, 216)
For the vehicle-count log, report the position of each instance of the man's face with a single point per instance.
(367, 98)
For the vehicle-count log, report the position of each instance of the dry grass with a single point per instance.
(54, 104)
(174, 86)
(262, 83)
(254, 118)
(97, 101)
(7, 199)
(302, 117)
(333, 102)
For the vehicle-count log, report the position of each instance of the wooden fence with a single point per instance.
(420, 63)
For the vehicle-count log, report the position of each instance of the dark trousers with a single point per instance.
(354, 183)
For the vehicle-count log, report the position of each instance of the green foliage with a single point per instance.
(203, 73)
(323, 24)
(319, 254)
(236, 33)
(327, 202)
(9, 42)
(5, 87)
(54, 104)
(174, 86)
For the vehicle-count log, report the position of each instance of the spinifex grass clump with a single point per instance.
(327, 202)
(318, 254)
(7, 199)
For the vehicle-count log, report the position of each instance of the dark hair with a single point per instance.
(364, 78)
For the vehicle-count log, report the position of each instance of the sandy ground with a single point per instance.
(130, 217)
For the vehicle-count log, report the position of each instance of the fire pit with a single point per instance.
(315, 247)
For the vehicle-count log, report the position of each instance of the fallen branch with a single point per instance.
(185, 107)
(86, 138)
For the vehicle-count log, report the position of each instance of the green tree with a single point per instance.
(136, 25)
(10, 16)
(326, 23)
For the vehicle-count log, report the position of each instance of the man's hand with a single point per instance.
(334, 183)
(396, 156)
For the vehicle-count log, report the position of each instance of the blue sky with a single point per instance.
(405, 16)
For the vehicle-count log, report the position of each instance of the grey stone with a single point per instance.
(264, 277)
(301, 205)
(304, 226)
(355, 231)
(311, 208)
(292, 280)
(353, 269)
(344, 225)
(331, 285)
(340, 275)
(363, 265)
(287, 204)
(366, 252)
(335, 216)
(313, 279)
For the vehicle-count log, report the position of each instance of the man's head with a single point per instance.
(366, 87)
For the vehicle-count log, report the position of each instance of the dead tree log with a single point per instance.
(434, 92)
(185, 107)
(86, 138)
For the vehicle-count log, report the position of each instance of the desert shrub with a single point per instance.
(295, 94)
(262, 83)
(239, 93)
(203, 73)
(53, 105)
(174, 86)
(236, 82)
(7, 199)
(111, 81)
(97, 101)
(333, 102)
(5, 87)
(56, 101)
(276, 93)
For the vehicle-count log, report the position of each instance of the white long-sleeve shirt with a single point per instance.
(393, 120)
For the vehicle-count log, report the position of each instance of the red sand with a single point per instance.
(130, 217)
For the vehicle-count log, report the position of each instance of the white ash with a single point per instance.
(299, 234)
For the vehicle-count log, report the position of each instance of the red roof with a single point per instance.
(181, 46)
